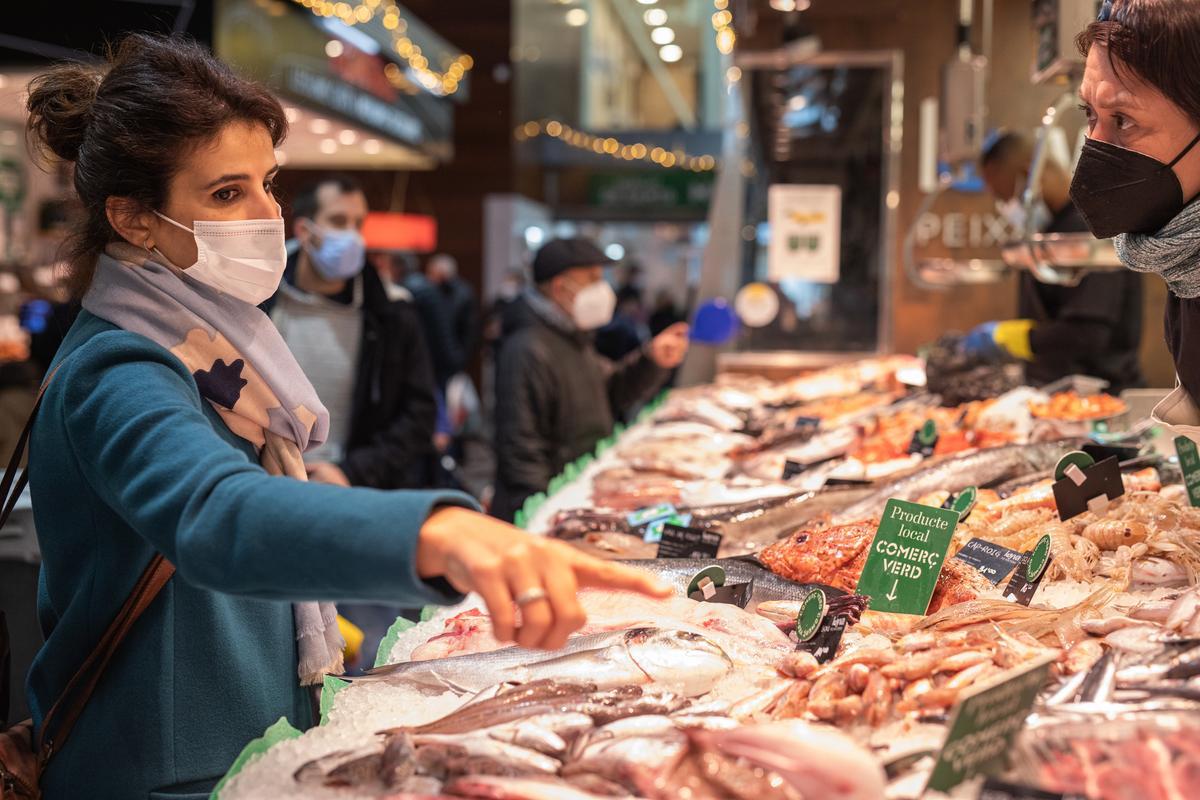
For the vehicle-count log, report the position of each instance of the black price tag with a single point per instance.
(993, 561)
(792, 468)
(824, 644)
(1081, 488)
(680, 542)
(995, 789)
(1027, 576)
(734, 594)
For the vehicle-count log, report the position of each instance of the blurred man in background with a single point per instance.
(363, 352)
(459, 298)
(1094, 328)
(556, 397)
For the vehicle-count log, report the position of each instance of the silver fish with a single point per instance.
(682, 661)
(519, 759)
(767, 586)
(981, 469)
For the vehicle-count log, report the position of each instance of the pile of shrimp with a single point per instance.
(1146, 536)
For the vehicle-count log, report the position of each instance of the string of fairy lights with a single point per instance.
(675, 158)
(722, 22)
(441, 83)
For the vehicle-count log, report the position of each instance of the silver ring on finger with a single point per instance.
(531, 596)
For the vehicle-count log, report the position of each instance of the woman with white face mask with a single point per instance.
(1138, 176)
(172, 427)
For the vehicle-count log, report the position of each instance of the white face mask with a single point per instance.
(242, 258)
(593, 306)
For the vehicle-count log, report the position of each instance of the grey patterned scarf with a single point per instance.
(244, 369)
(1173, 252)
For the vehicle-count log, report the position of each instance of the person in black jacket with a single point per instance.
(556, 397)
(363, 352)
(1092, 328)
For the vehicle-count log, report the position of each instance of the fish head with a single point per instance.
(684, 661)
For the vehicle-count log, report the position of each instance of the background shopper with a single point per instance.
(555, 395)
(364, 352)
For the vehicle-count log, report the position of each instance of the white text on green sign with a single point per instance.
(1189, 464)
(906, 556)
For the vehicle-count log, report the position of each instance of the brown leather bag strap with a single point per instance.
(78, 691)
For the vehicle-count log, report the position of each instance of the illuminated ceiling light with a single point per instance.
(280, 157)
(347, 136)
(655, 17)
(647, 2)
(733, 74)
(725, 41)
(577, 17)
(554, 128)
(783, 5)
(662, 35)
(721, 5)
(638, 150)
(534, 236)
(328, 146)
(615, 251)
(319, 125)
(372, 146)
(334, 48)
(532, 129)
(671, 53)
(797, 103)
(291, 114)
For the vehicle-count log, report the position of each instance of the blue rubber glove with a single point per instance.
(981, 342)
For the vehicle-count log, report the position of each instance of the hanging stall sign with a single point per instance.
(985, 723)
(1189, 464)
(906, 557)
(806, 225)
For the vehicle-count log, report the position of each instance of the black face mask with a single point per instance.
(1124, 191)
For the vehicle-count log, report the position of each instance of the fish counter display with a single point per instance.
(876, 595)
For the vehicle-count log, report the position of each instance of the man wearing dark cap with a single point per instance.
(556, 397)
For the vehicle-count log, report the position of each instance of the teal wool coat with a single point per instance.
(127, 460)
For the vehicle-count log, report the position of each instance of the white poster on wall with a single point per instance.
(806, 224)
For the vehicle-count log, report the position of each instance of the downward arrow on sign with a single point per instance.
(892, 594)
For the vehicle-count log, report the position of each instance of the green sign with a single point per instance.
(1189, 462)
(812, 611)
(965, 502)
(1075, 458)
(985, 723)
(661, 189)
(1039, 557)
(906, 556)
(12, 184)
(712, 576)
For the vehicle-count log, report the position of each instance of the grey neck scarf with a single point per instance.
(1173, 252)
(243, 368)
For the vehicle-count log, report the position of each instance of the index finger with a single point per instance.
(593, 572)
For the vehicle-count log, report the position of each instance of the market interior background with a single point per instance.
(655, 127)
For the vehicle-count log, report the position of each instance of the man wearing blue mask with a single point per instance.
(363, 351)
